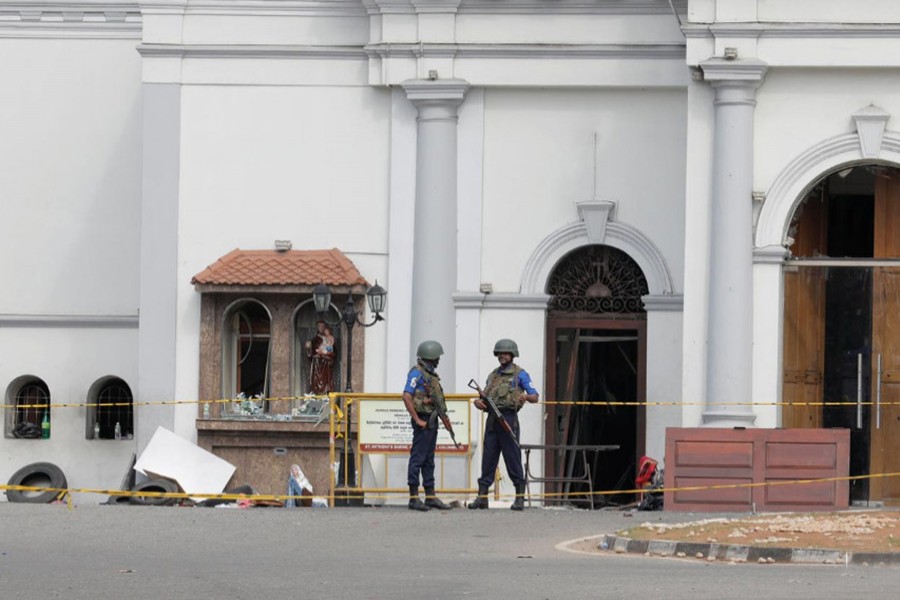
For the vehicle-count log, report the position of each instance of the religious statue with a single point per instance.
(320, 351)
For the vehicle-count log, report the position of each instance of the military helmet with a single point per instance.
(506, 345)
(430, 350)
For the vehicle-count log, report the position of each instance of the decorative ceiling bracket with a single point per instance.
(596, 214)
(870, 123)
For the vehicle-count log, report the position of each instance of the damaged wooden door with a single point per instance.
(804, 327)
(599, 394)
(885, 424)
(842, 325)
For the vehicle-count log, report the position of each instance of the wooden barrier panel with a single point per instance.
(734, 459)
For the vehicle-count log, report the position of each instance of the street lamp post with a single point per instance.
(376, 297)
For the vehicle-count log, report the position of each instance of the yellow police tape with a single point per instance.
(384, 493)
(349, 398)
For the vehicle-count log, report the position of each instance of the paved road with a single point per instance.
(48, 551)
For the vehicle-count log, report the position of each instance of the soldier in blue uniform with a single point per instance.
(510, 387)
(422, 391)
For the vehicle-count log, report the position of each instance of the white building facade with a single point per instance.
(505, 168)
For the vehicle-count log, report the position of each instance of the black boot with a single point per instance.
(519, 502)
(414, 502)
(482, 500)
(432, 501)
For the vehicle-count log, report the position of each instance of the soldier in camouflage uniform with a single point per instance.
(422, 391)
(510, 387)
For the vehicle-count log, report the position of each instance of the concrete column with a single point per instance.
(159, 259)
(664, 368)
(730, 341)
(434, 232)
(400, 240)
(768, 334)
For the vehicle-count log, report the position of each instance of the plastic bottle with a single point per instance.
(45, 425)
(97, 430)
(118, 431)
(206, 410)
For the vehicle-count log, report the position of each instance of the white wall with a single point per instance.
(260, 163)
(698, 202)
(539, 159)
(70, 144)
(797, 109)
(70, 150)
(69, 361)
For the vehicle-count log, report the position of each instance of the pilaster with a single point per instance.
(730, 338)
(433, 315)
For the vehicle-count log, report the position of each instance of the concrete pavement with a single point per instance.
(93, 551)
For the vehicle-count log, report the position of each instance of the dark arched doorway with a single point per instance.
(596, 357)
(842, 320)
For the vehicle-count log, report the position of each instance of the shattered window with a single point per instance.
(246, 356)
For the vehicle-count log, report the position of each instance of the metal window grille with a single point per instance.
(597, 280)
(32, 401)
(115, 404)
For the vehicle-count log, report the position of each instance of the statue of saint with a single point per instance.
(320, 351)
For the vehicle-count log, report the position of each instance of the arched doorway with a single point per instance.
(842, 320)
(596, 352)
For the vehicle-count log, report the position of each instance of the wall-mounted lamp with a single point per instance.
(377, 298)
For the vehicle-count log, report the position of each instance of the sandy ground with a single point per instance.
(853, 531)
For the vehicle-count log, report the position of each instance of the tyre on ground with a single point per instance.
(39, 475)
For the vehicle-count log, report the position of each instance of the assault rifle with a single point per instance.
(440, 411)
(490, 403)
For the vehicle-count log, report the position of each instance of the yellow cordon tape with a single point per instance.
(349, 399)
(393, 493)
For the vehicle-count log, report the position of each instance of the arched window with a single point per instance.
(111, 403)
(597, 280)
(31, 398)
(246, 360)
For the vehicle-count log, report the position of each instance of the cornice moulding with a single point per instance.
(611, 51)
(663, 302)
(71, 30)
(748, 70)
(468, 300)
(345, 8)
(76, 20)
(771, 255)
(530, 7)
(789, 30)
(436, 6)
(325, 8)
(59, 321)
(517, 301)
(438, 91)
(69, 7)
(250, 51)
(586, 7)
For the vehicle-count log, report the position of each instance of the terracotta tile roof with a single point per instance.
(269, 267)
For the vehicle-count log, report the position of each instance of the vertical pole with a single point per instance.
(347, 468)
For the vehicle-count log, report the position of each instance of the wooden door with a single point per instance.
(885, 423)
(804, 342)
(804, 327)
